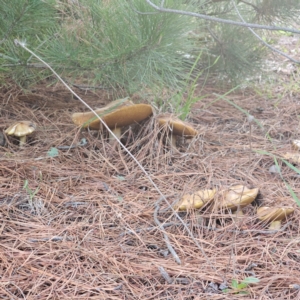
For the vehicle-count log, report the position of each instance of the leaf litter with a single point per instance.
(90, 231)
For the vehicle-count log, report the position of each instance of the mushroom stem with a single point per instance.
(117, 133)
(238, 213)
(173, 140)
(275, 225)
(22, 140)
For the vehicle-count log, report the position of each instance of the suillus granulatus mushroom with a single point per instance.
(195, 200)
(176, 127)
(293, 157)
(274, 215)
(21, 129)
(119, 113)
(296, 144)
(237, 197)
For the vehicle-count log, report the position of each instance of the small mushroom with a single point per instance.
(176, 127)
(274, 215)
(296, 144)
(119, 113)
(21, 129)
(196, 200)
(238, 196)
(294, 157)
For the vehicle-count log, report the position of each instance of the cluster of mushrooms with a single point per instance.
(234, 199)
(123, 112)
(117, 114)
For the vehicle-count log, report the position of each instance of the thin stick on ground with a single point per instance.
(167, 240)
(165, 274)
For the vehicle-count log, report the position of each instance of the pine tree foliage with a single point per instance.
(25, 20)
(114, 45)
(107, 43)
(128, 44)
(239, 52)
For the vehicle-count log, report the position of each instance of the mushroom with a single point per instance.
(294, 157)
(21, 129)
(296, 144)
(196, 200)
(176, 127)
(274, 215)
(119, 113)
(238, 196)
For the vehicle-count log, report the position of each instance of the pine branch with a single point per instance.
(261, 40)
(214, 19)
(250, 4)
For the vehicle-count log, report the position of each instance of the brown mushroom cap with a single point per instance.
(121, 112)
(21, 128)
(177, 126)
(238, 196)
(196, 200)
(271, 214)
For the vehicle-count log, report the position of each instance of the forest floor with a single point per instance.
(84, 227)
